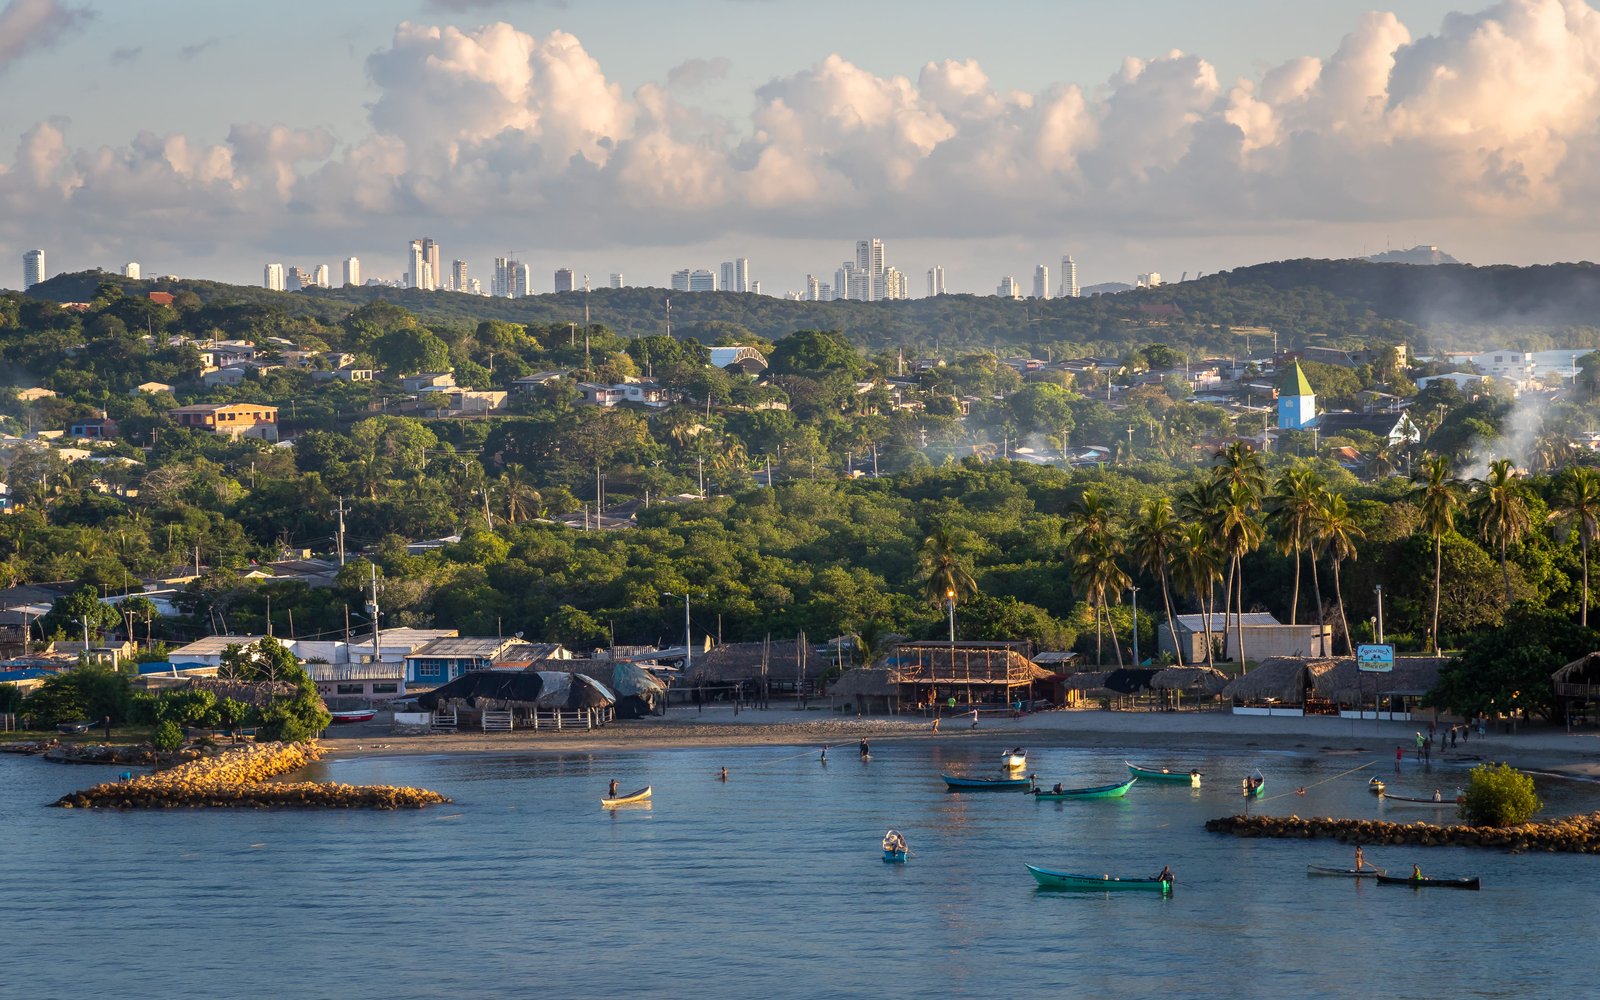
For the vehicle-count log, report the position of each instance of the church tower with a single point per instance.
(1297, 403)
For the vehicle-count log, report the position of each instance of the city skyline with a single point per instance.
(1197, 141)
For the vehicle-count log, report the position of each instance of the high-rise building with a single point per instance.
(321, 276)
(825, 292)
(475, 286)
(352, 271)
(736, 275)
(1150, 279)
(702, 280)
(564, 279)
(32, 268)
(500, 287)
(1069, 278)
(870, 259)
(430, 277)
(895, 285)
(1008, 288)
(813, 289)
(272, 277)
(521, 278)
(297, 279)
(616, 279)
(1041, 282)
(859, 285)
(841, 280)
(936, 280)
(458, 276)
(430, 255)
(131, 269)
(755, 288)
(414, 267)
(680, 280)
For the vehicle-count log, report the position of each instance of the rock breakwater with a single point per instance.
(1574, 834)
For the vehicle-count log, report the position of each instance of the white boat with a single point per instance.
(1014, 759)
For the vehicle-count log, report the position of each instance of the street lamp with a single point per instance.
(950, 603)
(1134, 590)
(1379, 591)
(688, 647)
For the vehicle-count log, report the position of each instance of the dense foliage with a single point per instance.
(1499, 795)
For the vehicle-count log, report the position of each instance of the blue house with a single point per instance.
(1297, 403)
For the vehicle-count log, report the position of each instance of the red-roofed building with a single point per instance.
(159, 298)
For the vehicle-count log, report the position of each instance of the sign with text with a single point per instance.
(1374, 659)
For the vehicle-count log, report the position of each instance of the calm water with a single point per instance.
(768, 886)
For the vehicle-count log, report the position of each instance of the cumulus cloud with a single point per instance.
(499, 131)
(26, 25)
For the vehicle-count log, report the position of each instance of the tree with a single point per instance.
(1334, 533)
(1576, 507)
(813, 352)
(68, 615)
(89, 692)
(1241, 534)
(1507, 671)
(139, 609)
(1197, 566)
(1154, 539)
(944, 576)
(1094, 547)
(1502, 512)
(1290, 509)
(1499, 795)
(291, 710)
(1440, 501)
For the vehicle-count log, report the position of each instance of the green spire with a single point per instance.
(1293, 382)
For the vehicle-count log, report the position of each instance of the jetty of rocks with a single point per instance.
(1574, 834)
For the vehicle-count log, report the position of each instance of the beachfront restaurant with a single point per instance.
(973, 673)
(1296, 686)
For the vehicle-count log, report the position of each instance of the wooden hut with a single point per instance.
(503, 699)
(865, 690)
(1397, 693)
(753, 670)
(1577, 685)
(1193, 683)
(970, 672)
(639, 693)
(1281, 685)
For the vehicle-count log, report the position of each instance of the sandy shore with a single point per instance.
(1554, 750)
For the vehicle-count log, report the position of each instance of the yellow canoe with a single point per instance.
(642, 795)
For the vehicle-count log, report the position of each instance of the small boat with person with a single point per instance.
(632, 798)
(1190, 777)
(1344, 872)
(1112, 791)
(894, 847)
(1417, 881)
(1411, 800)
(1376, 786)
(958, 783)
(1254, 786)
(1014, 759)
(1050, 879)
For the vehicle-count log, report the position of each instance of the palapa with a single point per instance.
(1342, 683)
(1190, 680)
(1284, 679)
(864, 683)
(488, 688)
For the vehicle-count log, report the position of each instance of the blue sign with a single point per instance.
(1375, 659)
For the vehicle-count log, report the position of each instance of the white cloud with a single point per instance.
(520, 137)
(26, 25)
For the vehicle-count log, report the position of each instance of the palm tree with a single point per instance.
(1093, 547)
(1440, 498)
(1201, 504)
(1383, 463)
(1197, 566)
(1289, 511)
(1577, 506)
(1335, 532)
(1502, 513)
(522, 500)
(943, 575)
(1241, 535)
(1239, 464)
(1155, 535)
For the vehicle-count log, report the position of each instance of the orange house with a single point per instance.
(232, 419)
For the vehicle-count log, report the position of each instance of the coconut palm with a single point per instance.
(1334, 534)
(1241, 535)
(1093, 547)
(1155, 535)
(1196, 567)
(1239, 464)
(1502, 513)
(1289, 511)
(1383, 463)
(1577, 508)
(521, 499)
(1440, 502)
(1202, 504)
(944, 576)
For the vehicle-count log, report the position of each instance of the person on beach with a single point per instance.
(613, 791)
(108, 727)
(1436, 796)
(1453, 731)
(1399, 757)
(974, 718)
(936, 723)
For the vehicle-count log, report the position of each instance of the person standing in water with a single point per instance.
(613, 792)
(866, 751)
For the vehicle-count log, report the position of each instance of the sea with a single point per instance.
(772, 884)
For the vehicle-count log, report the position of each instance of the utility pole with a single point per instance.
(586, 302)
(1379, 591)
(85, 620)
(341, 531)
(372, 609)
(1134, 590)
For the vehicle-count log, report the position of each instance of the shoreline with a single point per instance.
(1570, 755)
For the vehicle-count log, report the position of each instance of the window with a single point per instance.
(384, 688)
(430, 668)
(349, 689)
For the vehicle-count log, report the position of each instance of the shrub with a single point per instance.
(167, 735)
(1499, 795)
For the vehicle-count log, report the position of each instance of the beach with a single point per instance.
(1540, 748)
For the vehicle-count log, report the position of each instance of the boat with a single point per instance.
(1013, 760)
(1190, 778)
(74, 728)
(958, 783)
(1048, 879)
(1426, 882)
(354, 715)
(1345, 872)
(1115, 791)
(632, 798)
(1413, 801)
(894, 848)
(1254, 786)
(1376, 786)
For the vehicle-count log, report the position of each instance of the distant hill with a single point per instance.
(1420, 254)
(1105, 288)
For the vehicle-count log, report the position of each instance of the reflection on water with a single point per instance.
(772, 884)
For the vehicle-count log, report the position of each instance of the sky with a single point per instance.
(205, 139)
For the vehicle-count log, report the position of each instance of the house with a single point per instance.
(529, 383)
(221, 353)
(150, 387)
(1391, 428)
(236, 373)
(645, 392)
(94, 429)
(596, 394)
(463, 400)
(356, 685)
(348, 374)
(159, 298)
(749, 360)
(428, 380)
(229, 419)
(443, 660)
(1505, 363)
(1461, 380)
(208, 651)
(1264, 636)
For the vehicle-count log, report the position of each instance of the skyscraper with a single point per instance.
(736, 275)
(430, 277)
(1008, 288)
(1150, 279)
(521, 277)
(936, 280)
(131, 269)
(895, 285)
(321, 277)
(1041, 282)
(702, 280)
(458, 276)
(1069, 278)
(414, 268)
(616, 279)
(32, 268)
(430, 254)
(680, 280)
(813, 289)
(272, 277)
(870, 260)
(564, 279)
(352, 270)
(841, 280)
(501, 286)
(755, 288)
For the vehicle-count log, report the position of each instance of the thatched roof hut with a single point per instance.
(638, 691)
(1190, 680)
(1129, 680)
(778, 662)
(1087, 681)
(492, 689)
(1579, 679)
(1342, 683)
(864, 683)
(1283, 679)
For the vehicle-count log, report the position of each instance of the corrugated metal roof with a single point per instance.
(212, 645)
(1196, 623)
